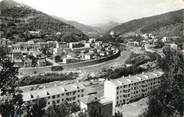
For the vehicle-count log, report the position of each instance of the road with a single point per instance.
(95, 69)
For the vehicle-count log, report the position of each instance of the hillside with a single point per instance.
(168, 24)
(88, 30)
(103, 28)
(91, 30)
(18, 20)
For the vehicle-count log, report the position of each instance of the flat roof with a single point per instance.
(105, 101)
(50, 91)
(137, 78)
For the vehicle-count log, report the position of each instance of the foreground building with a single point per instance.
(96, 106)
(56, 94)
(126, 89)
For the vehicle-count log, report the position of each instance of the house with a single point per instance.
(102, 53)
(87, 45)
(164, 39)
(42, 61)
(76, 45)
(88, 56)
(91, 40)
(35, 33)
(27, 62)
(98, 106)
(4, 42)
(173, 46)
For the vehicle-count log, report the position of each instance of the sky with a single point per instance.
(92, 12)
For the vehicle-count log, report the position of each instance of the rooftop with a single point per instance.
(137, 78)
(50, 91)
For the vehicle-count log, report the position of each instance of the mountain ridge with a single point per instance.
(154, 24)
(18, 19)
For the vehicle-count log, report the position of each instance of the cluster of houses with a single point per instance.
(85, 50)
(30, 53)
(149, 40)
(33, 53)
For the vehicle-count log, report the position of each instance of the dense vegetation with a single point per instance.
(11, 99)
(168, 100)
(18, 21)
(132, 68)
(168, 24)
(50, 77)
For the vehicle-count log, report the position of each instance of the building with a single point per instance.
(126, 89)
(76, 44)
(98, 106)
(92, 40)
(4, 42)
(56, 94)
(88, 56)
(87, 45)
(173, 46)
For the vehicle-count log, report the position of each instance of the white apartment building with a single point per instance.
(56, 94)
(126, 89)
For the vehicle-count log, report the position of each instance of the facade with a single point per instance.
(96, 106)
(88, 56)
(126, 89)
(56, 95)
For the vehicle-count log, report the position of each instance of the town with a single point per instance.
(52, 67)
(117, 92)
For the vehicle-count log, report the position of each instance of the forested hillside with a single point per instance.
(18, 20)
(168, 24)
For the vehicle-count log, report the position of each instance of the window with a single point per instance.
(53, 97)
(49, 97)
(82, 95)
(58, 96)
(58, 101)
(48, 103)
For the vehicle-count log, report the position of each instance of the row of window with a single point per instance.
(58, 102)
(139, 83)
(69, 93)
(58, 96)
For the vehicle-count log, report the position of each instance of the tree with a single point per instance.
(62, 110)
(11, 101)
(36, 109)
(168, 100)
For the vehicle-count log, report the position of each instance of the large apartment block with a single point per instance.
(126, 89)
(57, 94)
